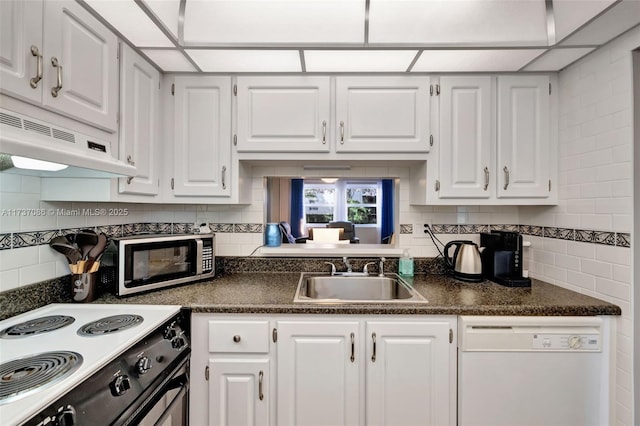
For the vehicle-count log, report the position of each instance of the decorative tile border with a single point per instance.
(619, 239)
(27, 239)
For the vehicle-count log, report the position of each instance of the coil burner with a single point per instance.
(37, 326)
(23, 376)
(110, 324)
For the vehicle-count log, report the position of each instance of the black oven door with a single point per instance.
(169, 406)
(150, 263)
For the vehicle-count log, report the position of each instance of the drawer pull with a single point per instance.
(236, 338)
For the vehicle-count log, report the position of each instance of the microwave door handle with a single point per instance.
(198, 256)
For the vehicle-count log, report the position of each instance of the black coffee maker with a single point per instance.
(502, 258)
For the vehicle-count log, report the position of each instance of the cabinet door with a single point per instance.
(318, 373)
(382, 114)
(523, 136)
(410, 373)
(289, 114)
(239, 392)
(20, 33)
(139, 122)
(465, 137)
(202, 141)
(87, 56)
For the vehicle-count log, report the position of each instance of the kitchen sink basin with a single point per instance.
(315, 288)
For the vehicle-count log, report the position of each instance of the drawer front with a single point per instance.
(239, 336)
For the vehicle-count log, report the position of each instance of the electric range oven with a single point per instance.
(66, 364)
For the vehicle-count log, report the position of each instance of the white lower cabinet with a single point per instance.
(323, 370)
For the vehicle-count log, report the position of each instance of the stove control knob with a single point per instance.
(143, 365)
(120, 385)
(66, 416)
(178, 342)
(170, 332)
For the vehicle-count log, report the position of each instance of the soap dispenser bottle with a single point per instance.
(405, 265)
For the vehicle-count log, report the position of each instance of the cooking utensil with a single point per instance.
(96, 251)
(71, 252)
(86, 240)
(466, 263)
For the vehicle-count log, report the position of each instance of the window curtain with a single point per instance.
(297, 206)
(387, 208)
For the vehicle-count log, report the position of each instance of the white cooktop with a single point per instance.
(97, 351)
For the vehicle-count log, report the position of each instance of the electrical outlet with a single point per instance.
(418, 229)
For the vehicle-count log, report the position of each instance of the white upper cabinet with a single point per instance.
(202, 136)
(20, 47)
(286, 114)
(465, 137)
(382, 114)
(139, 123)
(523, 137)
(57, 55)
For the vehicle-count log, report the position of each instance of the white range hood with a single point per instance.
(87, 156)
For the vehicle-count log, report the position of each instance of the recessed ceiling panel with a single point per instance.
(571, 14)
(358, 60)
(247, 60)
(167, 11)
(475, 60)
(459, 22)
(229, 22)
(609, 25)
(131, 21)
(169, 60)
(556, 59)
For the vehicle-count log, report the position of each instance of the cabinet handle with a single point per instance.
(324, 132)
(373, 356)
(130, 160)
(236, 338)
(260, 380)
(35, 80)
(129, 179)
(506, 177)
(224, 174)
(172, 183)
(353, 347)
(56, 89)
(342, 132)
(486, 178)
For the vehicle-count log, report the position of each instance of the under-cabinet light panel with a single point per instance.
(247, 60)
(169, 60)
(475, 60)
(131, 22)
(556, 59)
(358, 60)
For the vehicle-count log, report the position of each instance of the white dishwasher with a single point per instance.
(533, 371)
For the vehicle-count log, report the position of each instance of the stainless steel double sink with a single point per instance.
(322, 288)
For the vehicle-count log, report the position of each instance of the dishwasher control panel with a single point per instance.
(566, 342)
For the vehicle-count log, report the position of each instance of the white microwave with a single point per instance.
(142, 263)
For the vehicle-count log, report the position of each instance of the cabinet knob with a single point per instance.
(236, 338)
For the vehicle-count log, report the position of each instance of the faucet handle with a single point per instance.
(381, 268)
(333, 267)
(365, 269)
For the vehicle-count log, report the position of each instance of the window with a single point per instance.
(356, 202)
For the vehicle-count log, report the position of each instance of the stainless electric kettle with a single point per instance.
(466, 263)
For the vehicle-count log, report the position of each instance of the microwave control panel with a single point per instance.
(207, 256)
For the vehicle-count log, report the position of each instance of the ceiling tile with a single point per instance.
(609, 25)
(358, 60)
(571, 14)
(169, 60)
(229, 22)
(167, 11)
(556, 59)
(131, 22)
(475, 60)
(461, 22)
(247, 60)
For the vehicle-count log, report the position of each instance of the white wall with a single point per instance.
(596, 192)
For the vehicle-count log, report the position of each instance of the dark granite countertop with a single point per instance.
(272, 293)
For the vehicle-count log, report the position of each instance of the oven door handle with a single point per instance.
(181, 382)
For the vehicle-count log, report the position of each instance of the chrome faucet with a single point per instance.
(381, 267)
(346, 262)
(365, 270)
(333, 267)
